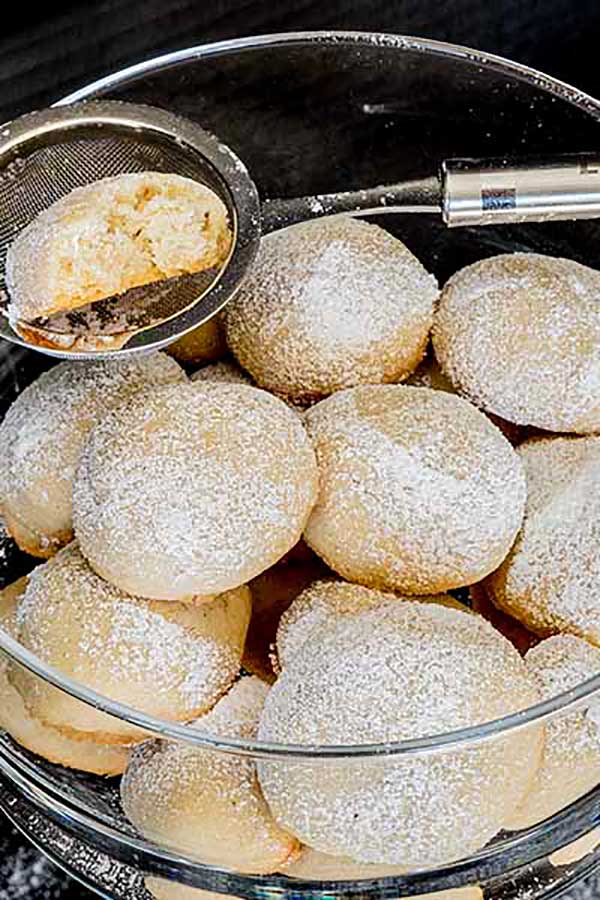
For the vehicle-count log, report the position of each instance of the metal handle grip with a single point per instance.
(492, 191)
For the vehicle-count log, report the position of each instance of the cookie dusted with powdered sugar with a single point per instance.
(519, 334)
(551, 579)
(193, 489)
(225, 371)
(113, 235)
(419, 492)
(74, 752)
(206, 804)
(43, 433)
(163, 658)
(324, 602)
(400, 671)
(328, 305)
(571, 758)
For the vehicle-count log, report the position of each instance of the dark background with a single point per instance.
(46, 53)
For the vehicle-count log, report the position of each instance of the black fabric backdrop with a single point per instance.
(45, 54)
(66, 44)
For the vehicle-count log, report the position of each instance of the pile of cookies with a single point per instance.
(262, 545)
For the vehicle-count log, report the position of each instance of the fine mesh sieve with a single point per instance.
(44, 155)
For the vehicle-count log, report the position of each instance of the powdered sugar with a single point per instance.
(561, 663)
(318, 607)
(228, 372)
(28, 731)
(142, 644)
(237, 713)
(26, 871)
(323, 603)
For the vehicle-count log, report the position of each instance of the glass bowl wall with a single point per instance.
(544, 879)
(310, 114)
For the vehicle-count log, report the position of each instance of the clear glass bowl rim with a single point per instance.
(544, 711)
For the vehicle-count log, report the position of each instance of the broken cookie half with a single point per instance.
(107, 260)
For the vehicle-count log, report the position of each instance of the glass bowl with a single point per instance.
(312, 113)
(543, 879)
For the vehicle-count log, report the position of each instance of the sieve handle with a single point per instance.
(493, 191)
(468, 192)
(420, 196)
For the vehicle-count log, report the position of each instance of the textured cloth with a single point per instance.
(25, 875)
(67, 45)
